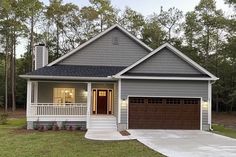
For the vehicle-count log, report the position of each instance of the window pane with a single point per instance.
(63, 95)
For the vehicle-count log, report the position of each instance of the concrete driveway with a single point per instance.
(186, 143)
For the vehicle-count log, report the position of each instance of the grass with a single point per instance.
(220, 129)
(16, 142)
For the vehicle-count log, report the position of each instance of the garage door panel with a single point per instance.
(164, 113)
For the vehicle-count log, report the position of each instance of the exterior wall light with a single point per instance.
(205, 105)
(85, 93)
(123, 103)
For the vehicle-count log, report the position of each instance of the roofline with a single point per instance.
(66, 77)
(177, 52)
(97, 37)
(164, 78)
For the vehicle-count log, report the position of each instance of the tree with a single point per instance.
(170, 19)
(152, 33)
(106, 13)
(34, 13)
(132, 21)
(59, 17)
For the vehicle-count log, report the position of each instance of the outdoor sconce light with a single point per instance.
(85, 93)
(205, 105)
(123, 103)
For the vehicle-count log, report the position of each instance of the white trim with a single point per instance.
(163, 78)
(65, 77)
(89, 97)
(201, 113)
(29, 93)
(164, 97)
(35, 92)
(177, 52)
(119, 100)
(209, 103)
(112, 106)
(97, 37)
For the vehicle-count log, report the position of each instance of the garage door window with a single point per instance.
(137, 100)
(173, 101)
(155, 101)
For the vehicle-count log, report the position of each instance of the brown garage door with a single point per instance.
(164, 113)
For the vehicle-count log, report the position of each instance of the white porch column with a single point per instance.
(119, 100)
(89, 89)
(28, 99)
(35, 92)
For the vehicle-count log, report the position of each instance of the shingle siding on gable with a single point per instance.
(104, 52)
(164, 62)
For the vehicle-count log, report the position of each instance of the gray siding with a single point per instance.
(164, 88)
(45, 91)
(165, 61)
(103, 52)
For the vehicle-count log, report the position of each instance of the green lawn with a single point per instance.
(220, 129)
(15, 142)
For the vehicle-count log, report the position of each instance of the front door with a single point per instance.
(102, 102)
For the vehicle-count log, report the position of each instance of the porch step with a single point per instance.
(102, 122)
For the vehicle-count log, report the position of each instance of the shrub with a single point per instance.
(3, 118)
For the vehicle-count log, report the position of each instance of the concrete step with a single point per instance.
(102, 122)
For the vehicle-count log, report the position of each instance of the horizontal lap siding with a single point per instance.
(165, 61)
(163, 88)
(103, 52)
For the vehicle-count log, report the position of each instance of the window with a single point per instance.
(102, 93)
(63, 95)
(172, 101)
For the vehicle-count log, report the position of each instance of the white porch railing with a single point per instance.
(53, 109)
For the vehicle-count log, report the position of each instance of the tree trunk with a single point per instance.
(13, 72)
(57, 51)
(217, 103)
(6, 75)
(31, 43)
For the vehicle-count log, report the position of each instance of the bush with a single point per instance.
(3, 118)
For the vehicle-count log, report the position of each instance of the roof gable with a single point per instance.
(164, 62)
(143, 65)
(116, 26)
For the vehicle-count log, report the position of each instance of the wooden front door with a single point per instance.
(102, 102)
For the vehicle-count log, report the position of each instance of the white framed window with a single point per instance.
(63, 95)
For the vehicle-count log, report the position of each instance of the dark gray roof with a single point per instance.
(77, 70)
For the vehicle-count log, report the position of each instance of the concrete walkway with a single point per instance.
(186, 143)
(105, 135)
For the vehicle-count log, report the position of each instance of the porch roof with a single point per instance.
(77, 71)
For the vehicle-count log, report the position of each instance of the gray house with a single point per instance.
(114, 81)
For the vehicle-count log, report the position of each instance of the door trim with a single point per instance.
(108, 103)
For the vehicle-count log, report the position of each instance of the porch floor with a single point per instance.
(106, 135)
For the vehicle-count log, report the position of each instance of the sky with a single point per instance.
(145, 7)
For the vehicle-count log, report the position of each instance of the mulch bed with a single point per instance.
(124, 133)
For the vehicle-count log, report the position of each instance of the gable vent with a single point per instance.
(115, 41)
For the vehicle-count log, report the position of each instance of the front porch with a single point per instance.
(61, 101)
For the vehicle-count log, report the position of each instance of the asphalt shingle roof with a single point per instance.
(77, 70)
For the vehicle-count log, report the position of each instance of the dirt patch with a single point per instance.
(225, 119)
(19, 113)
(124, 133)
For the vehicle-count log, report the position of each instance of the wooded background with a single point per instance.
(206, 34)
